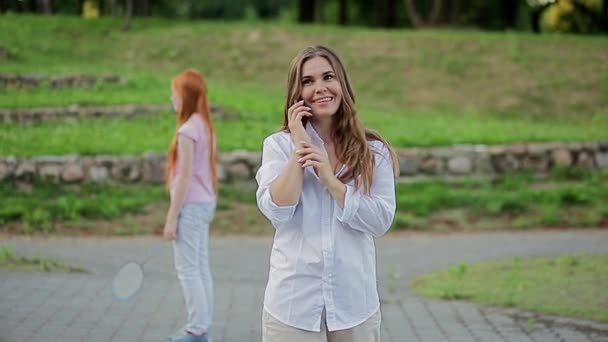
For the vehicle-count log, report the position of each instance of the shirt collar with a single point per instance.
(314, 136)
(316, 140)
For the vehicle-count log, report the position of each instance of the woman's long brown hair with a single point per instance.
(348, 134)
(191, 89)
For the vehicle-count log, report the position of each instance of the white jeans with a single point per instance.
(191, 252)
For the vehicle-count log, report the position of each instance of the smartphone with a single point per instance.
(305, 118)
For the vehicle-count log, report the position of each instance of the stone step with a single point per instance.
(416, 164)
(44, 114)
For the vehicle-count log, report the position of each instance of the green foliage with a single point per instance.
(8, 260)
(561, 173)
(48, 203)
(45, 205)
(484, 14)
(549, 213)
(570, 196)
(513, 195)
(213, 9)
(391, 71)
(67, 6)
(246, 55)
(453, 286)
(577, 16)
(115, 136)
(569, 285)
(38, 218)
(241, 192)
(524, 223)
(420, 206)
(406, 220)
(514, 282)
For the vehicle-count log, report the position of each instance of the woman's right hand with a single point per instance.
(295, 114)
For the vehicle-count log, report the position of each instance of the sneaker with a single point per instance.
(186, 337)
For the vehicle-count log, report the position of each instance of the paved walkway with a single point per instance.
(79, 307)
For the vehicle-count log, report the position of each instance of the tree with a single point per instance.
(113, 8)
(417, 19)
(343, 12)
(386, 13)
(306, 11)
(142, 8)
(455, 11)
(597, 20)
(509, 10)
(45, 6)
(128, 15)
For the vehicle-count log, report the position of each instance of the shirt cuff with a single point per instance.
(351, 205)
(277, 213)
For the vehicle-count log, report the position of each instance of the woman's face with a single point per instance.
(321, 90)
(175, 101)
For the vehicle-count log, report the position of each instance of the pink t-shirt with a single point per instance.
(200, 187)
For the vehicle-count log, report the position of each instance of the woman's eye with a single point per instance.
(329, 77)
(306, 82)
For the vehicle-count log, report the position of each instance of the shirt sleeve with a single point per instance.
(274, 161)
(189, 129)
(372, 213)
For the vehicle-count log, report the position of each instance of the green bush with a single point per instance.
(576, 16)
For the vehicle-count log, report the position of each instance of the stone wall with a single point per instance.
(490, 160)
(43, 114)
(57, 82)
(474, 160)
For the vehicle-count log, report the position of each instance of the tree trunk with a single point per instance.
(455, 12)
(128, 15)
(509, 8)
(417, 19)
(113, 8)
(145, 7)
(31, 6)
(306, 11)
(412, 13)
(435, 12)
(45, 6)
(343, 12)
(535, 17)
(319, 13)
(386, 13)
(141, 8)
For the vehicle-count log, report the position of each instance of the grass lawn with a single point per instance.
(153, 133)
(10, 261)
(513, 202)
(570, 285)
(566, 199)
(418, 88)
(41, 206)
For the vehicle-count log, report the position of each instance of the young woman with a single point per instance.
(192, 182)
(327, 186)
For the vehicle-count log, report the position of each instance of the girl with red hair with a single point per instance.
(191, 179)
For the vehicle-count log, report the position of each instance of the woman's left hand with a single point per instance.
(311, 155)
(170, 230)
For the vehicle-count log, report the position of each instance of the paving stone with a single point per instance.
(36, 306)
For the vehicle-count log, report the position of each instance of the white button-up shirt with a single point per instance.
(324, 256)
